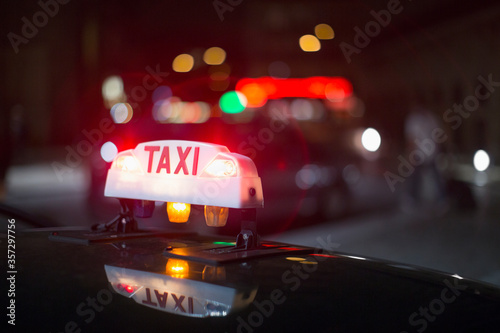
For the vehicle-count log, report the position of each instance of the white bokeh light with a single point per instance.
(109, 151)
(112, 88)
(481, 160)
(121, 113)
(371, 139)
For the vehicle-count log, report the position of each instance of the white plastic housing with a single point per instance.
(178, 171)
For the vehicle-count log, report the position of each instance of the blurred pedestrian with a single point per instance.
(426, 187)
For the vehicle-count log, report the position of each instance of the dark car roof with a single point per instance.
(62, 286)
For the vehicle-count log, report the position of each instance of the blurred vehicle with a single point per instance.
(304, 134)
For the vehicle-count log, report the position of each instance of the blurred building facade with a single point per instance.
(441, 67)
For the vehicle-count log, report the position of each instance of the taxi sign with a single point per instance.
(185, 172)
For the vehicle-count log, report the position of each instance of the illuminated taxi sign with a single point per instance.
(186, 172)
(179, 296)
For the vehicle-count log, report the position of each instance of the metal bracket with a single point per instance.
(248, 238)
(123, 223)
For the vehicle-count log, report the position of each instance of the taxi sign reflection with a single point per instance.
(177, 295)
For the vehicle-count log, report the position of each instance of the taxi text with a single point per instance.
(162, 298)
(164, 161)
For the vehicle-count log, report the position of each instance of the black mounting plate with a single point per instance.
(212, 254)
(87, 237)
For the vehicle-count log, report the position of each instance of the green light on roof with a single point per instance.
(225, 243)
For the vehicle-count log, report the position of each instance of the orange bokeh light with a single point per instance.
(255, 94)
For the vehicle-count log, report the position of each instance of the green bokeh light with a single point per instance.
(233, 102)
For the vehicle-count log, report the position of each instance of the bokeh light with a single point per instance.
(214, 56)
(121, 113)
(113, 91)
(183, 63)
(324, 31)
(162, 110)
(302, 109)
(161, 93)
(371, 139)
(173, 110)
(481, 160)
(233, 102)
(255, 95)
(204, 112)
(309, 43)
(334, 93)
(109, 151)
(307, 177)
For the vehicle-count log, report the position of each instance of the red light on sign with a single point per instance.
(125, 287)
(259, 90)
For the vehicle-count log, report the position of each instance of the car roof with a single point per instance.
(65, 286)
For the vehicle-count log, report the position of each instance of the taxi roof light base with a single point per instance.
(123, 223)
(248, 238)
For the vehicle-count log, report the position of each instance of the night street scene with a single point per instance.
(250, 166)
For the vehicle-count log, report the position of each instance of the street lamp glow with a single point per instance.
(481, 160)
